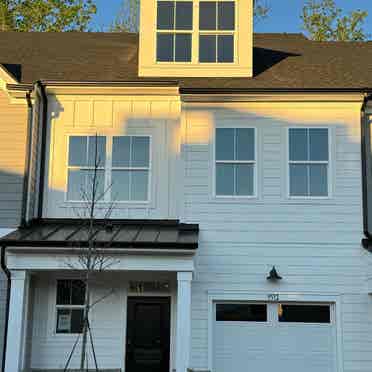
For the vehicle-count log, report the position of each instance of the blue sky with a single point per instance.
(284, 14)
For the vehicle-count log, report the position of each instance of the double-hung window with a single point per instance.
(130, 168)
(174, 31)
(308, 162)
(123, 164)
(235, 162)
(86, 154)
(70, 303)
(217, 31)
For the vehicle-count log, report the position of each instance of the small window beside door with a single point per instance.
(70, 303)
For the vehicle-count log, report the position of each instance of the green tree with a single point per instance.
(324, 21)
(261, 9)
(46, 15)
(127, 18)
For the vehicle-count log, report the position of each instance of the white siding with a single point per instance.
(315, 244)
(3, 293)
(157, 117)
(3, 284)
(108, 321)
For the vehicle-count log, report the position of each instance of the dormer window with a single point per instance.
(196, 38)
(174, 31)
(217, 26)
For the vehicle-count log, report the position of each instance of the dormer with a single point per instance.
(196, 38)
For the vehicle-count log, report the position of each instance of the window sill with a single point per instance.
(102, 205)
(308, 200)
(235, 199)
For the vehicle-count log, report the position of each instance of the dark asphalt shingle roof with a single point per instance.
(155, 234)
(280, 61)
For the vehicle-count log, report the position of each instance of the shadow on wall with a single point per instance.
(11, 198)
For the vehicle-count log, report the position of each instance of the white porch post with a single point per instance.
(183, 321)
(14, 358)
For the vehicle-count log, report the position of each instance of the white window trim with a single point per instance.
(67, 307)
(329, 163)
(255, 163)
(108, 169)
(195, 33)
(284, 297)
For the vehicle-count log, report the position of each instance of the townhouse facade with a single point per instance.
(236, 171)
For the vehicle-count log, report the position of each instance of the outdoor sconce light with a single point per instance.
(273, 275)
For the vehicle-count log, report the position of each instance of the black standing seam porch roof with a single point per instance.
(68, 233)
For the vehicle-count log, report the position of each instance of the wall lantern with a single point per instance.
(273, 275)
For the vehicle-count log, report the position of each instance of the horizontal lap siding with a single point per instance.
(3, 284)
(51, 351)
(13, 133)
(315, 245)
(13, 129)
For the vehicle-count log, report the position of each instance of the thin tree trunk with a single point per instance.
(89, 265)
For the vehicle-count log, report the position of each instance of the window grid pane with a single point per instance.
(174, 16)
(184, 12)
(235, 161)
(81, 165)
(308, 162)
(131, 183)
(70, 300)
(165, 16)
(226, 15)
(208, 15)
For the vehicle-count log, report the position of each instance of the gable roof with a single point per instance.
(281, 61)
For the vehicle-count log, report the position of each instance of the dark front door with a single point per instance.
(148, 334)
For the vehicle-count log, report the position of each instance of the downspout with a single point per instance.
(27, 159)
(366, 150)
(42, 152)
(22, 222)
(7, 304)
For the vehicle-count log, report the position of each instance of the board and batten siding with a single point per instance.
(156, 116)
(314, 244)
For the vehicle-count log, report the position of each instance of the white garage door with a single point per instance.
(287, 337)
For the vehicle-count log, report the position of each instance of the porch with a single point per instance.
(142, 300)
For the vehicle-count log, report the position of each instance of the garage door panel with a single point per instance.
(230, 354)
(273, 345)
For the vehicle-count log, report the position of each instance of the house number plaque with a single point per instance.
(273, 297)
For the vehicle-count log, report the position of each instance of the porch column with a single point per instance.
(183, 321)
(14, 358)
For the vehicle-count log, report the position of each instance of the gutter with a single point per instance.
(227, 90)
(27, 160)
(41, 176)
(7, 304)
(365, 148)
